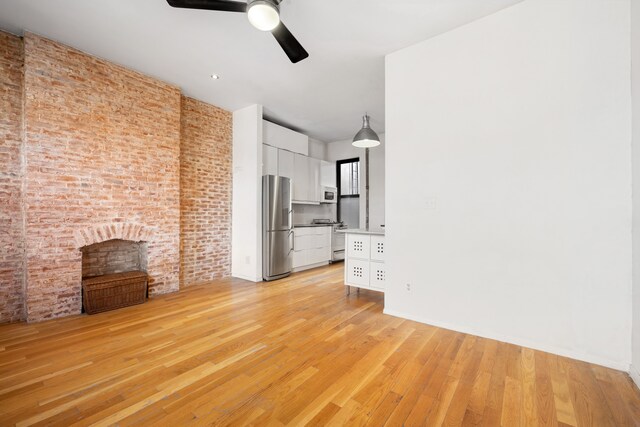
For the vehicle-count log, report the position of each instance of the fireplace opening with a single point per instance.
(113, 256)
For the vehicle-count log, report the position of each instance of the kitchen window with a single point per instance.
(348, 174)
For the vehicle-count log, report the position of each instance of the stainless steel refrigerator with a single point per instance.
(277, 227)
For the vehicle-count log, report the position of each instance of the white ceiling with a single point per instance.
(323, 96)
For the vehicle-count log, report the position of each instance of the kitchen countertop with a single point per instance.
(311, 225)
(371, 231)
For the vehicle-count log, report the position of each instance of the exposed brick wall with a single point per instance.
(97, 150)
(11, 226)
(113, 256)
(102, 147)
(205, 192)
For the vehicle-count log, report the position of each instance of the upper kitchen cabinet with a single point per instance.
(327, 174)
(314, 180)
(277, 162)
(286, 139)
(306, 179)
(285, 163)
(270, 160)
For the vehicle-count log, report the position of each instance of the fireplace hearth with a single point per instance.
(113, 256)
(114, 275)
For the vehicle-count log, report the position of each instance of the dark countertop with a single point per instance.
(311, 225)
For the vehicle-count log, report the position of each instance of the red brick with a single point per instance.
(116, 132)
(205, 192)
(91, 152)
(11, 178)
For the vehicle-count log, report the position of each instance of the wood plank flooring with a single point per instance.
(293, 352)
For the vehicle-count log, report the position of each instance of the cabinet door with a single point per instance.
(377, 275)
(314, 179)
(300, 178)
(358, 272)
(299, 259)
(282, 137)
(358, 246)
(327, 174)
(269, 160)
(285, 163)
(377, 248)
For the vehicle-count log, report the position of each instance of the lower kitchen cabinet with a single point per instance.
(311, 247)
(364, 264)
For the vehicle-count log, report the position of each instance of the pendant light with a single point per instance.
(366, 137)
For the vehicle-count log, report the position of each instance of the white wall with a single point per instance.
(246, 219)
(341, 150)
(317, 149)
(508, 179)
(635, 91)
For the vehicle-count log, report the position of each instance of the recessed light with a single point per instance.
(215, 76)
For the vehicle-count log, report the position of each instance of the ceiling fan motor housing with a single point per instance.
(273, 3)
(263, 14)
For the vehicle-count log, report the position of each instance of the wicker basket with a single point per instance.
(111, 291)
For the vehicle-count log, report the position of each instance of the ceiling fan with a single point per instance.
(262, 14)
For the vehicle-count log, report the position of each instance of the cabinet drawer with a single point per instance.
(377, 274)
(312, 241)
(299, 259)
(319, 255)
(377, 248)
(312, 231)
(358, 246)
(357, 272)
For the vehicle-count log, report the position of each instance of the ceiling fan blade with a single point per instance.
(289, 44)
(223, 5)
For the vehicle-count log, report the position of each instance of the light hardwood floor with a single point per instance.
(293, 352)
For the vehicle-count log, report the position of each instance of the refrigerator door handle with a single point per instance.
(293, 241)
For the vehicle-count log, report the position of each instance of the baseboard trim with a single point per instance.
(635, 375)
(518, 341)
(248, 278)
(310, 266)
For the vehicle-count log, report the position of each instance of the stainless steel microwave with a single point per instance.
(329, 195)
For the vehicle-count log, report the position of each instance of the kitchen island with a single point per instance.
(364, 261)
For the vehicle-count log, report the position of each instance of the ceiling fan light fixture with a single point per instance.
(366, 137)
(263, 14)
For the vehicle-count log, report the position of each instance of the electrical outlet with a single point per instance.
(408, 287)
(431, 203)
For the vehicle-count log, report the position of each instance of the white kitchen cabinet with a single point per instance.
(377, 248)
(377, 274)
(314, 180)
(300, 178)
(306, 179)
(285, 163)
(269, 160)
(311, 247)
(364, 264)
(357, 272)
(358, 246)
(283, 138)
(327, 174)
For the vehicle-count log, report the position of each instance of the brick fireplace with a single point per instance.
(115, 248)
(94, 158)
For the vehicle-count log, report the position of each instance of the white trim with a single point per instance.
(250, 279)
(635, 375)
(309, 266)
(521, 342)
